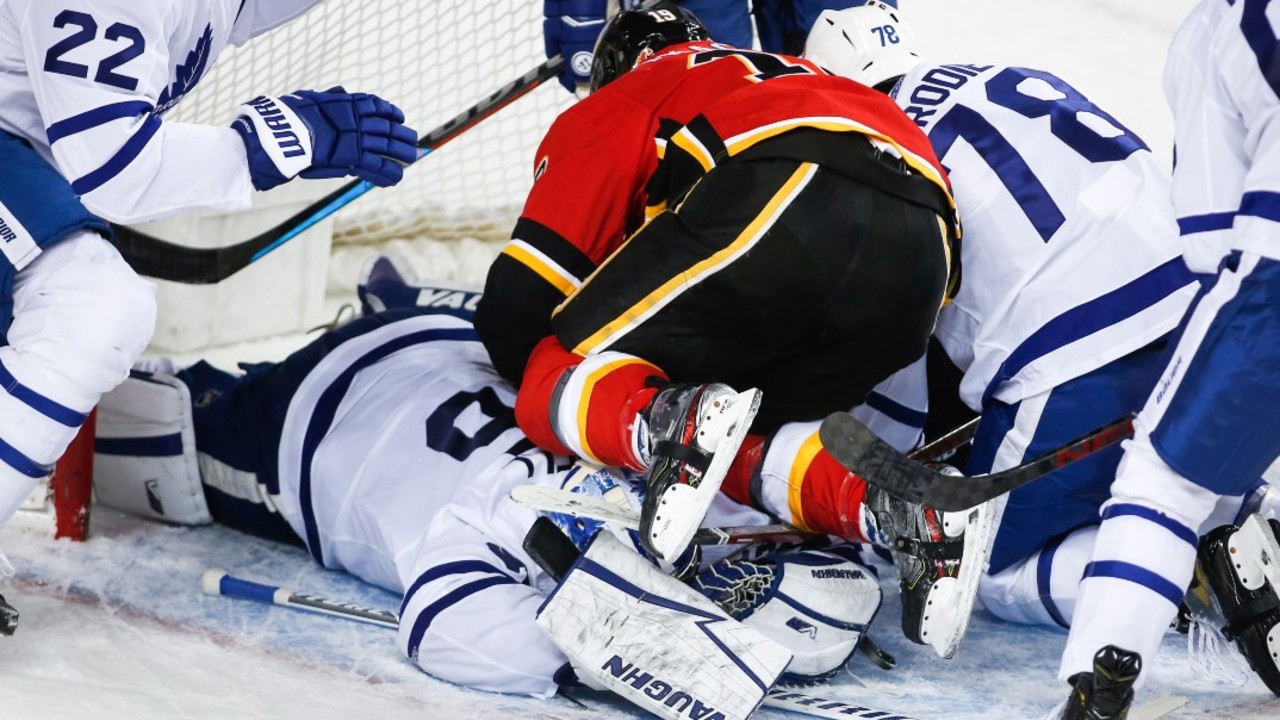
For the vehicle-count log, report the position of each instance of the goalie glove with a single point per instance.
(629, 628)
(325, 134)
(817, 604)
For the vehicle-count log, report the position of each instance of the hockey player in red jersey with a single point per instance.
(713, 214)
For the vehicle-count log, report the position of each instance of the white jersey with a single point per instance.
(1222, 87)
(396, 459)
(86, 82)
(1070, 256)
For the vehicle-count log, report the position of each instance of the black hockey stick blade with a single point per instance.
(164, 260)
(8, 618)
(859, 450)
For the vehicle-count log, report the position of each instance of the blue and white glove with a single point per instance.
(325, 134)
(570, 28)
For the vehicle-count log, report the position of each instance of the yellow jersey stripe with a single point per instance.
(545, 267)
(687, 142)
(809, 449)
(671, 289)
(738, 143)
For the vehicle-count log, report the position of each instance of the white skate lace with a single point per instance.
(1212, 656)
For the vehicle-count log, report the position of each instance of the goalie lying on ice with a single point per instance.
(388, 448)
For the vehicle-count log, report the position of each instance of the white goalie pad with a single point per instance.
(145, 455)
(655, 641)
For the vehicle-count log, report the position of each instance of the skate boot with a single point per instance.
(687, 437)
(1107, 692)
(8, 618)
(386, 281)
(938, 591)
(1232, 587)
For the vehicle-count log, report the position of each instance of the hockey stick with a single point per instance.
(857, 448)
(218, 582)
(153, 257)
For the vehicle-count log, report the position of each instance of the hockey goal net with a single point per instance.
(60, 503)
(434, 60)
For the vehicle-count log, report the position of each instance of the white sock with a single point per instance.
(1142, 561)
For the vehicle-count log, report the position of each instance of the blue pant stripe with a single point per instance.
(128, 152)
(1044, 573)
(95, 117)
(429, 613)
(1138, 575)
(896, 411)
(15, 459)
(1183, 532)
(460, 567)
(55, 411)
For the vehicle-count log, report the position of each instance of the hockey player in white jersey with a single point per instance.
(1212, 424)
(1072, 280)
(83, 88)
(389, 447)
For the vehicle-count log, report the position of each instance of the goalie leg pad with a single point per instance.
(655, 641)
(145, 460)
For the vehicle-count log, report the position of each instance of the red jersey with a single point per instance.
(593, 166)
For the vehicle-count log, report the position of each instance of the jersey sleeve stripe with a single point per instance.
(459, 567)
(47, 407)
(15, 459)
(127, 154)
(98, 116)
(558, 250)
(453, 597)
(1261, 204)
(1209, 222)
(1090, 317)
(546, 268)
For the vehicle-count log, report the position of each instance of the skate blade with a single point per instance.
(684, 507)
(951, 600)
(558, 500)
(1255, 554)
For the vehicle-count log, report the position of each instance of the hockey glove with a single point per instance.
(327, 134)
(570, 29)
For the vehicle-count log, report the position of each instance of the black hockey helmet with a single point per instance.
(634, 34)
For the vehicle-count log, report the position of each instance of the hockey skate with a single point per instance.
(937, 589)
(1106, 693)
(687, 436)
(1235, 588)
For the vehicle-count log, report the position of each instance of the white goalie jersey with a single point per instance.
(397, 456)
(86, 82)
(1222, 86)
(1070, 257)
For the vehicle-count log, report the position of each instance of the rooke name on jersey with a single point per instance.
(936, 86)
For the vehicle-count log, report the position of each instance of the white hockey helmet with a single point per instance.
(869, 44)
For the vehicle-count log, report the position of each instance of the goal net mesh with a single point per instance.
(434, 59)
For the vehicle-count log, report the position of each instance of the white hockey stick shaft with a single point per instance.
(219, 582)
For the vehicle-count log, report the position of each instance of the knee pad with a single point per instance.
(82, 317)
